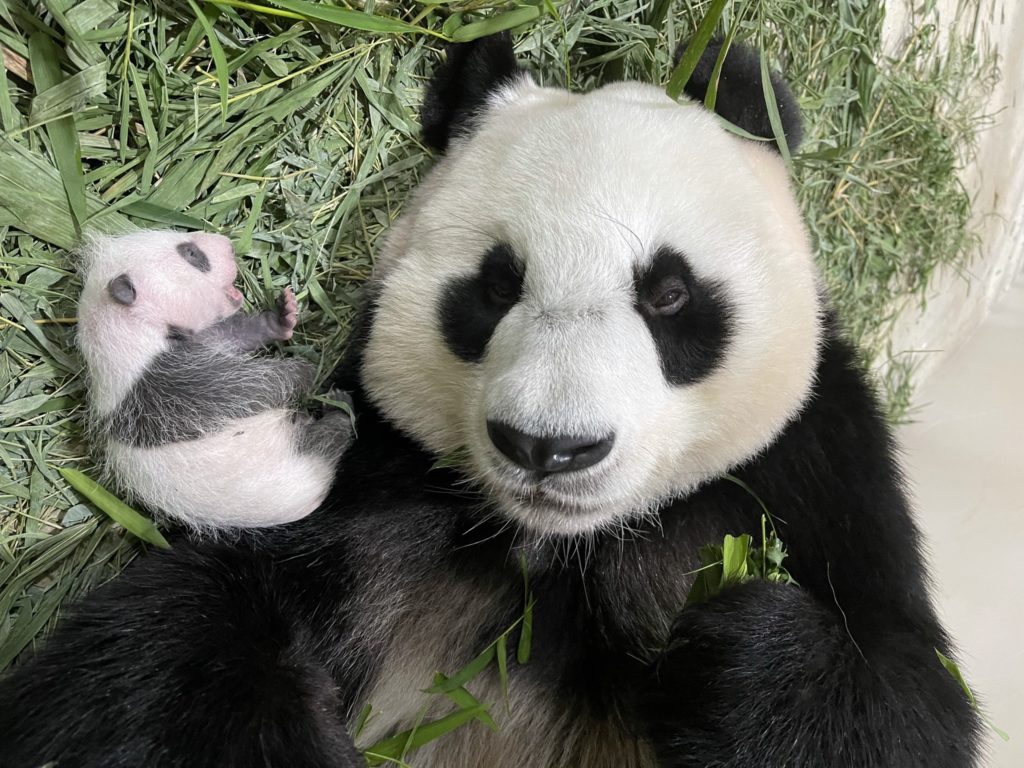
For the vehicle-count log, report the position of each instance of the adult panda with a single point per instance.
(605, 302)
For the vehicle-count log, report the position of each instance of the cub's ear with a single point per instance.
(121, 290)
(461, 85)
(740, 98)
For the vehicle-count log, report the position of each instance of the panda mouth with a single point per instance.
(551, 503)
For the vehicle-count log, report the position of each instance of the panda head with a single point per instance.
(157, 279)
(604, 299)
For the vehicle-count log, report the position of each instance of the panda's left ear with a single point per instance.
(462, 84)
(740, 98)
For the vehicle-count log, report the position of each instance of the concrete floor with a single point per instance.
(965, 458)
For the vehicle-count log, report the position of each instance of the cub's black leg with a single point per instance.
(246, 333)
(329, 434)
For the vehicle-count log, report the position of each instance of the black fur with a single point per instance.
(460, 87)
(692, 342)
(740, 98)
(194, 389)
(471, 307)
(243, 654)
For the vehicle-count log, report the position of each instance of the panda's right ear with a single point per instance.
(462, 84)
(121, 290)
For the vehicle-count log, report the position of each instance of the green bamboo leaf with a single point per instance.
(392, 749)
(69, 95)
(161, 215)
(344, 17)
(120, 512)
(67, 154)
(451, 24)
(220, 61)
(152, 136)
(467, 673)
(466, 700)
(526, 631)
(711, 96)
(364, 716)
(954, 672)
(694, 49)
(499, 23)
(256, 8)
(773, 112)
(501, 650)
(526, 634)
(734, 558)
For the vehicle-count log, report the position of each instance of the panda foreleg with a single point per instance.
(763, 675)
(247, 333)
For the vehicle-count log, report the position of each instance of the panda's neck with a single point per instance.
(116, 361)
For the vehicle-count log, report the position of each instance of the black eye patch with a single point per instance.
(691, 334)
(194, 256)
(471, 307)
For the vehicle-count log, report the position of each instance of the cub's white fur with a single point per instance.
(573, 356)
(250, 471)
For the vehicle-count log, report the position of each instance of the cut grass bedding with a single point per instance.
(299, 140)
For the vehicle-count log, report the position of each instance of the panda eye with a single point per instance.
(669, 297)
(502, 294)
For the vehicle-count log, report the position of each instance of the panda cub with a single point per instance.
(192, 424)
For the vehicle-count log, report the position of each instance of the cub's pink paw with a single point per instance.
(287, 314)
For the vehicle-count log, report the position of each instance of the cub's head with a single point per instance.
(158, 279)
(604, 298)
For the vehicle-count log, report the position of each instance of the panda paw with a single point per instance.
(759, 658)
(286, 315)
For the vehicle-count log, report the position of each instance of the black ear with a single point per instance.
(121, 290)
(461, 85)
(740, 98)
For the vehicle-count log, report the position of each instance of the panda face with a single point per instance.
(162, 278)
(606, 298)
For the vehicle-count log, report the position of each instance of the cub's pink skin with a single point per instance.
(192, 424)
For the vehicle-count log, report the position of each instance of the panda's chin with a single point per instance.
(560, 511)
(551, 516)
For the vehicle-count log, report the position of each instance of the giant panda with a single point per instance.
(604, 309)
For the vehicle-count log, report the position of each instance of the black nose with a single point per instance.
(548, 454)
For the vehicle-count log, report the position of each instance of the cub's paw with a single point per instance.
(286, 315)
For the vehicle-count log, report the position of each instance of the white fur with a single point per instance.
(584, 188)
(249, 473)
(117, 341)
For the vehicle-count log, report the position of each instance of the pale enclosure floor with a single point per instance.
(965, 459)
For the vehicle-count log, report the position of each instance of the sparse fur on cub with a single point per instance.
(191, 422)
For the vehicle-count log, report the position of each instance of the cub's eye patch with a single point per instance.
(471, 307)
(689, 317)
(194, 256)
